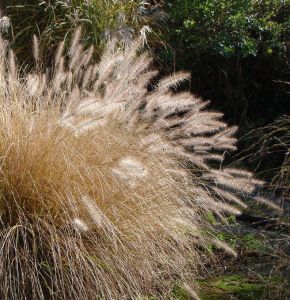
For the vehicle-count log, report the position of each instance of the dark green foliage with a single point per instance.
(237, 51)
(231, 28)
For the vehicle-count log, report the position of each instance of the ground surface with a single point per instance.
(262, 269)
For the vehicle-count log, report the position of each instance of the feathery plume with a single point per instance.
(36, 48)
(221, 245)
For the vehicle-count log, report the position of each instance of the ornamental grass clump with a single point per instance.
(104, 186)
(269, 154)
(55, 21)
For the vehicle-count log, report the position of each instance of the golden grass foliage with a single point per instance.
(104, 186)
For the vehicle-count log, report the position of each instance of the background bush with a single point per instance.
(54, 21)
(237, 52)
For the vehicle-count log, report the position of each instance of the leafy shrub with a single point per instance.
(235, 49)
(104, 186)
(231, 28)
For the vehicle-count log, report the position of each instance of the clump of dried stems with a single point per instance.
(104, 186)
(269, 153)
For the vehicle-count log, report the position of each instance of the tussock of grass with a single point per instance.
(54, 21)
(269, 154)
(105, 187)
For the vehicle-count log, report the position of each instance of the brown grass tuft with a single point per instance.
(103, 186)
